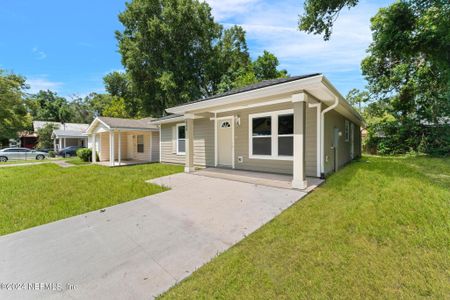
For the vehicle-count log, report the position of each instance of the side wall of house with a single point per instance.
(335, 120)
(155, 146)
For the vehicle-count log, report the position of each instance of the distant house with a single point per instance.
(64, 135)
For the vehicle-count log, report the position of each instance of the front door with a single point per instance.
(225, 142)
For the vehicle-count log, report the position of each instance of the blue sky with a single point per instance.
(68, 46)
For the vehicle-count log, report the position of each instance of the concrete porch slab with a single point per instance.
(258, 178)
(123, 163)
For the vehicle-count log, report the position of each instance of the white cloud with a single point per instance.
(39, 54)
(223, 9)
(41, 83)
(273, 26)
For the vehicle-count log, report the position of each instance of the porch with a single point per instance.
(258, 178)
(118, 142)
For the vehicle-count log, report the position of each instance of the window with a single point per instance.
(140, 143)
(272, 135)
(262, 136)
(347, 130)
(225, 124)
(181, 139)
(286, 135)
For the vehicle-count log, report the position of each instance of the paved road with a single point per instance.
(138, 249)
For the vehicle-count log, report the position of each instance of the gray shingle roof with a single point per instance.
(128, 123)
(67, 133)
(255, 86)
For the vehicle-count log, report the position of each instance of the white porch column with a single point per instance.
(94, 148)
(54, 144)
(299, 177)
(119, 142)
(111, 149)
(189, 167)
(64, 140)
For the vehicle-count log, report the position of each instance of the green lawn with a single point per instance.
(21, 161)
(35, 195)
(380, 228)
(76, 161)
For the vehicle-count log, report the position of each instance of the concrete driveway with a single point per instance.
(138, 249)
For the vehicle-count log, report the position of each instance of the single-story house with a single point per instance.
(300, 126)
(116, 139)
(64, 135)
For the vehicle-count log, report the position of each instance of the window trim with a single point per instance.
(178, 139)
(273, 134)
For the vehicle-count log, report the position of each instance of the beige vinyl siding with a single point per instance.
(104, 146)
(128, 146)
(311, 142)
(146, 155)
(335, 120)
(241, 143)
(155, 146)
(168, 144)
(203, 143)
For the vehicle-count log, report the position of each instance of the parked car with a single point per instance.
(21, 153)
(68, 151)
(46, 150)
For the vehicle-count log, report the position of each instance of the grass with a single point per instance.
(21, 161)
(76, 161)
(380, 228)
(35, 195)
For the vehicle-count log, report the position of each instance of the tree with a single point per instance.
(166, 48)
(13, 113)
(404, 68)
(116, 108)
(45, 136)
(48, 106)
(265, 67)
(356, 98)
(118, 84)
(320, 15)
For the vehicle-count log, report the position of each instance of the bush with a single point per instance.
(85, 154)
(51, 153)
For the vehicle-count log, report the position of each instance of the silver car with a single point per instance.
(21, 153)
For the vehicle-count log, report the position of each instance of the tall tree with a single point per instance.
(166, 48)
(265, 67)
(13, 113)
(118, 84)
(48, 106)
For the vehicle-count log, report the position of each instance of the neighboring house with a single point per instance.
(117, 139)
(65, 134)
(300, 126)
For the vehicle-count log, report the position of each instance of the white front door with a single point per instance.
(225, 142)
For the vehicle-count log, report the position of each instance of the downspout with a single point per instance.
(322, 135)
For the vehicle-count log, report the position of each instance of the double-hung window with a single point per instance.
(140, 143)
(272, 135)
(286, 135)
(181, 139)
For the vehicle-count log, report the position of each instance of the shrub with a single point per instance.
(85, 154)
(51, 153)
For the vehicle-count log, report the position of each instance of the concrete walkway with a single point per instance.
(138, 249)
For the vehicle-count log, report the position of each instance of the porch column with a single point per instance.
(299, 104)
(119, 142)
(64, 140)
(54, 144)
(111, 149)
(94, 148)
(189, 167)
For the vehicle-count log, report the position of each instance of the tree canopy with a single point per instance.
(174, 52)
(13, 113)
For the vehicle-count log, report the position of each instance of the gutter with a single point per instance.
(322, 135)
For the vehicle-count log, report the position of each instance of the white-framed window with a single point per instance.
(181, 139)
(347, 131)
(140, 143)
(271, 135)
